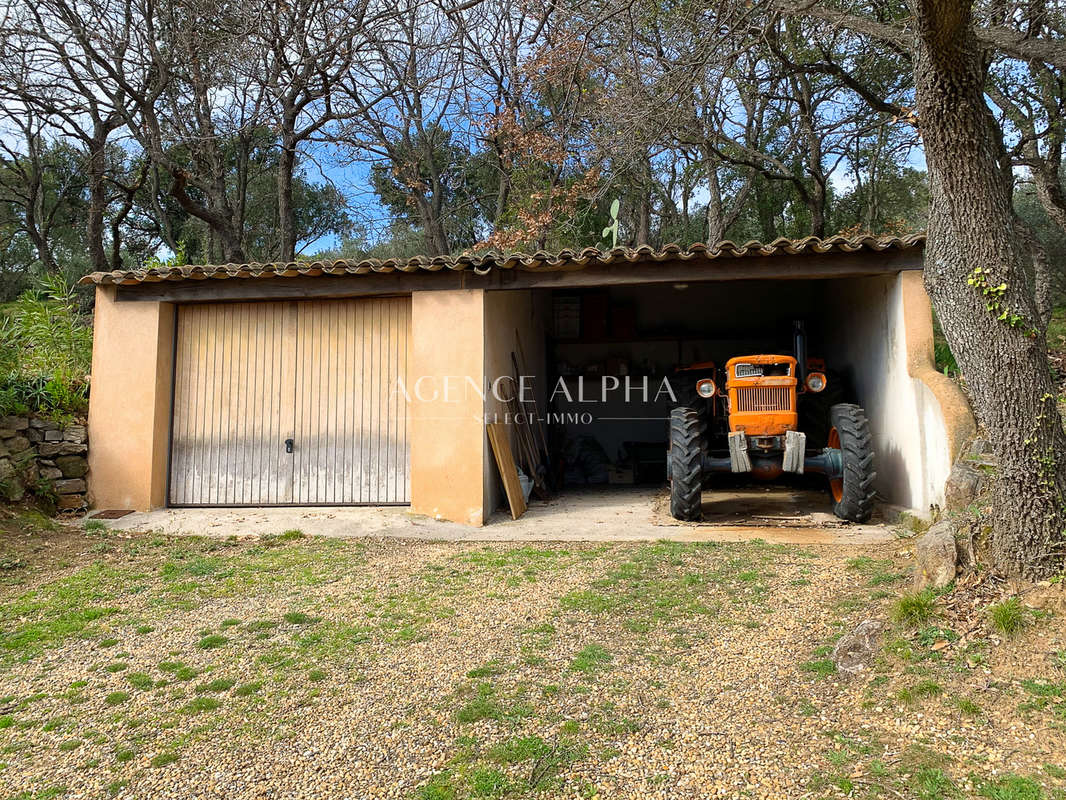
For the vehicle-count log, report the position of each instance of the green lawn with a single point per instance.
(134, 666)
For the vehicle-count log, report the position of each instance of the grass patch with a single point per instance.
(920, 691)
(201, 704)
(666, 581)
(212, 642)
(299, 618)
(164, 758)
(487, 704)
(116, 698)
(248, 689)
(915, 609)
(1009, 616)
(821, 668)
(217, 685)
(591, 659)
(1009, 787)
(878, 571)
(76, 605)
(179, 671)
(140, 680)
(438, 787)
(487, 670)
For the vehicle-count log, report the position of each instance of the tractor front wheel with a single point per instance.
(853, 493)
(687, 430)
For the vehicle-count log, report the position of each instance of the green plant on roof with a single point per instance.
(612, 229)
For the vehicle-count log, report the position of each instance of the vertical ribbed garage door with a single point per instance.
(323, 376)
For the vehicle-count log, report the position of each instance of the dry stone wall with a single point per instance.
(46, 459)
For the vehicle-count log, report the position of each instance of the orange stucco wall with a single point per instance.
(129, 402)
(447, 427)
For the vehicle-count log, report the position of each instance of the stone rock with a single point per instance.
(855, 651)
(43, 424)
(53, 436)
(52, 449)
(76, 434)
(34, 435)
(71, 502)
(937, 556)
(962, 487)
(72, 466)
(50, 473)
(7, 469)
(70, 486)
(18, 444)
(13, 490)
(15, 423)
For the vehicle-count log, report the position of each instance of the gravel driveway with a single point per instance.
(146, 666)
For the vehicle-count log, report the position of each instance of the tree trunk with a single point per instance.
(816, 204)
(219, 224)
(433, 232)
(94, 226)
(286, 222)
(643, 231)
(1050, 193)
(715, 222)
(972, 225)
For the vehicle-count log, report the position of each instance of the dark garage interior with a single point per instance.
(613, 356)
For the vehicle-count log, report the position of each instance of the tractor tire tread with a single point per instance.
(856, 444)
(687, 442)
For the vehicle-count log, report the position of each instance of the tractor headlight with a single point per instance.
(705, 388)
(815, 382)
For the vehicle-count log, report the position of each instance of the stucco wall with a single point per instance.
(511, 317)
(129, 402)
(881, 328)
(446, 425)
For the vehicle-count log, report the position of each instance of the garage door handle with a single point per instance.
(288, 445)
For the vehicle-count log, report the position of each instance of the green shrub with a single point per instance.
(45, 352)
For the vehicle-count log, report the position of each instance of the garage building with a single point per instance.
(370, 383)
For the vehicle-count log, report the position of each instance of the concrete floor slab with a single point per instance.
(774, 514)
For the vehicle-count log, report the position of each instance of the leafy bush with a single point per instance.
(45, 352)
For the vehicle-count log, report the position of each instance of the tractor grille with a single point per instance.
(764, 398)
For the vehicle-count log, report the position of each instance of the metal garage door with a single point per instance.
(291, 403)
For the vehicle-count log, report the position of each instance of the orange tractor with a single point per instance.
(758, 412)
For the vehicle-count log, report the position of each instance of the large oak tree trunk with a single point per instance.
(972, 225)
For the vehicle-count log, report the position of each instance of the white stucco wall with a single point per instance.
(869, 326)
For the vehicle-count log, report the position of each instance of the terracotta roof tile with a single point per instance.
(486, 262)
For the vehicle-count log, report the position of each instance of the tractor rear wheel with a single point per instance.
(853, 493)
(687, 433)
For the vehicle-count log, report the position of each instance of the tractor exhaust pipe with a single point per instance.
(799, 342)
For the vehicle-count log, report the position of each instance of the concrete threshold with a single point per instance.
(632, 514)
